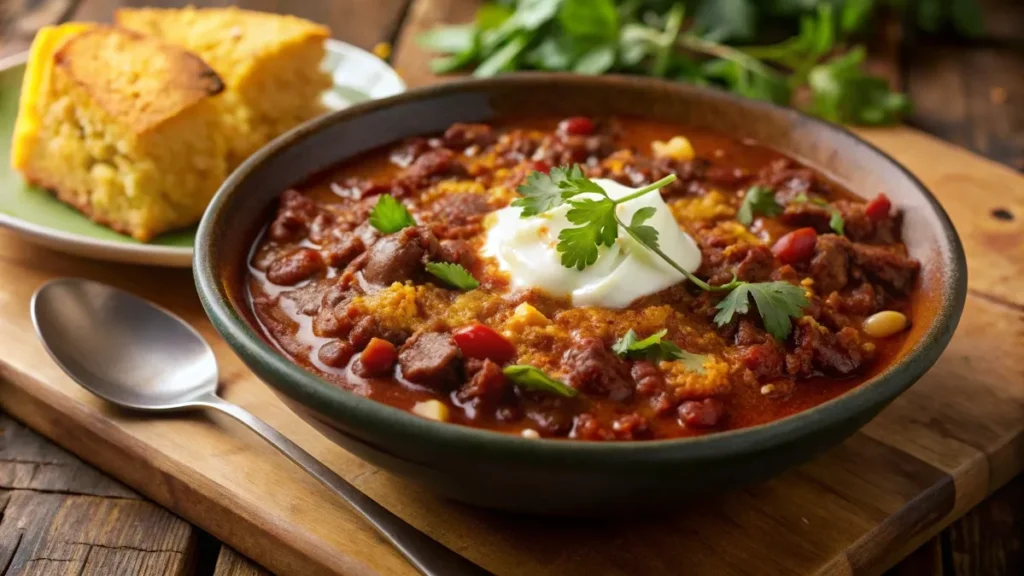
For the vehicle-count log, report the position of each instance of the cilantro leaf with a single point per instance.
(777, 302)
(532, 378)
(540, 193)
(644, 234)
(453, 275)
(835, 219)
(655, 349)
(390, 216)
(759, 200)
(598, 227)
(842, 92)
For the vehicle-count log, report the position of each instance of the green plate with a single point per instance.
(38, 217)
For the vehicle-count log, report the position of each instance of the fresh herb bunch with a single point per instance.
(598, 225)
(791, 52)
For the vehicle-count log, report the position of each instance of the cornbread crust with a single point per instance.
(270, 65)
(123, 127)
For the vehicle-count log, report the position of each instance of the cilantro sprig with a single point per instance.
(533, 378)
(597, 224)
(803, 53)
(390, 216)
(656, 349)
(835, 220)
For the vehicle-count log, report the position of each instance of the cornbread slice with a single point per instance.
(121, 126)
(270, 65)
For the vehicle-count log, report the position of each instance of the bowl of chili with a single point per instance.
(711, 289)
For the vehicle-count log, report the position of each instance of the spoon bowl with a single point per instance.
(123, 348)
(137, 355)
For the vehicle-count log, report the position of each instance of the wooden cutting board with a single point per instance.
(940, 449)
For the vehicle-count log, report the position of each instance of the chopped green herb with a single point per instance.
(759, 200)
(533, 378)
(390, 216)
(453, 275)
(835, 220)
(777, 302)
(769, 50)
(655, 349)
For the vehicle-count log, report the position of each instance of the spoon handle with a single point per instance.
(427, 555)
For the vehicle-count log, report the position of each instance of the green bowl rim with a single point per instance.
(360, 412)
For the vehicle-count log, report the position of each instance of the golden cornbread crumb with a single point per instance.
(689, 384)
(270, 65)
(122, 127)
(395, 307)
(711, 206)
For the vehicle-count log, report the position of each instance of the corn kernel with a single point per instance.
(678, 148)
(529, 316)
(884, 324)
(432, 409)
(530, 433)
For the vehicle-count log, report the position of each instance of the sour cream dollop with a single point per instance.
(526, 249)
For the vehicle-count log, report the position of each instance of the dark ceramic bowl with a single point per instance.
(562, 476)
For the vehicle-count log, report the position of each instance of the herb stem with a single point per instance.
(689, 275)
(697, 44)
(649, 188)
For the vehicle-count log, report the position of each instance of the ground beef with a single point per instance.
(367, 328)
(436, 162)
(431, 359)
(889, 266)
(830, 263)
(407, 152)
(457, 252)
(649, 379)
(757, 265)
(593, 368)
(459, 215)
(400, 256)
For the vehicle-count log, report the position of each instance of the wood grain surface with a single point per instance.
(939, 450)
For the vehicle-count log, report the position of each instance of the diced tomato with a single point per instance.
(540, 166)
(378, 357)
(878, 209)
(796, 246)
(479, 341)
(576, 126)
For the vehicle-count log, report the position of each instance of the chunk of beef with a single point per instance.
(460, 136)
(586, 426)
(858, 227)
(431, 359)
(807, 214)
(457, 252)
(593, 368)
(648, 377)
(830, 264)
(400, 256)
(437, 162)
(295, 267)
(887, 265)
(818, 350)
(459, 215)
(487, 385)
(863, 300)
(756, 265)
(788, 179)
(295, 213)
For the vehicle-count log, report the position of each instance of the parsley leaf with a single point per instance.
(654, 349)
(453, 275)
(644, 234)
(777, 302)
(390, 216)
(835, 219)
(759, 200)
(579, 246)
(532, 378)
(542, 192)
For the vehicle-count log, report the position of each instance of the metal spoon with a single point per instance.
(137, 355)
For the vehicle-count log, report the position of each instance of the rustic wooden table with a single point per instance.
(55, 509)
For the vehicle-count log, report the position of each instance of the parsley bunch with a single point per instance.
(765, 49)
(598, 225)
